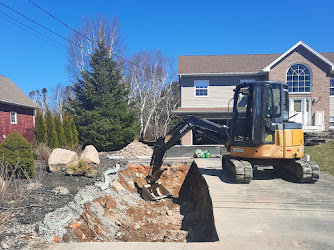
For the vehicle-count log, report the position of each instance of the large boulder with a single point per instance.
(62, 158)
(90, 155)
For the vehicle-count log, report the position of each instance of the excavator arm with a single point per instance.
(213, 131)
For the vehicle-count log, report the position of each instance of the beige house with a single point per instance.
(207, 84)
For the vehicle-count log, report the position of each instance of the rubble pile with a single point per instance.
(134, 150)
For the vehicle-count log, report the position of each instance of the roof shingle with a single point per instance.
(216, 64)
(10, 93)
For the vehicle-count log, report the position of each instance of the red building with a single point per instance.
(17, 111)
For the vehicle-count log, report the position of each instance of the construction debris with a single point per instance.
(134, 150)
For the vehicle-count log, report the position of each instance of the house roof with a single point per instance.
(10, 93)
(218, 64)
(238, 64)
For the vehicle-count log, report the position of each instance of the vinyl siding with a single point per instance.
(220, 91)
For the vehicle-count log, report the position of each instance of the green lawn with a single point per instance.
(323, 155)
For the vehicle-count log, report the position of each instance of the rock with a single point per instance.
(60, 190)
(90, 155)
(62, 158)
(4, 245)
(118, 186)
(169, 212)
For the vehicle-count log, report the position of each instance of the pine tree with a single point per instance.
(52, 138)
(39, 127)
(101, 111)
(67, 132)
(74, 131)
(60, 131)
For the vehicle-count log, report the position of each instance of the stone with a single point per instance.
(60, 190)
(60, 159)
(4, 245)
(90, 155)
(169, 212)
(118, 186)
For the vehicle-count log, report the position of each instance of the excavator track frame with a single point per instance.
(242, 169)
(303, 171)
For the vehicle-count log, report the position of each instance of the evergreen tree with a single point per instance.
(52, 138)
(39, 127)
(67, 132)
(74, 131)
(60, 131)
(101, 111)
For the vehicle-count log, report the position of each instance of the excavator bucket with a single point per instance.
(155, 191)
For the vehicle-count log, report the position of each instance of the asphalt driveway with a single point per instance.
(270, 213)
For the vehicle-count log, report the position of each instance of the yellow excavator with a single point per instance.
(260, 134)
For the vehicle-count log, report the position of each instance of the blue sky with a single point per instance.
(173, 27)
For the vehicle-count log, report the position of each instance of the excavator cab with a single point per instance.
(258, 107)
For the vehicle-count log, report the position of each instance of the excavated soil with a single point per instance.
(88, 212)
(135, 219)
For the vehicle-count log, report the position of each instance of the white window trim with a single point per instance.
(332, 127)
(311, 79)
(332, 79)
(15, 114)
(201, 96)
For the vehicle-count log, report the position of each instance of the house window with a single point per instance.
(331, 121)
(13, 117)
(201, 87)
(331, 87)
(299, 79)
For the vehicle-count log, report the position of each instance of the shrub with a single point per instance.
(82, 168)
(42, 153)
(16, 151)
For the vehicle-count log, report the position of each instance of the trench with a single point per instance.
(120, 214)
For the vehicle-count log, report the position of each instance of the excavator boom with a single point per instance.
(216, 132)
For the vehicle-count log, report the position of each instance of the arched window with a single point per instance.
(299, 78)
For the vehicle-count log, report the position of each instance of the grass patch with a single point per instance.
(323, 155)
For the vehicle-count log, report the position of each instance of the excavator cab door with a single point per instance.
(253, 115)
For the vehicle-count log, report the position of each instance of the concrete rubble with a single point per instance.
(134, 150)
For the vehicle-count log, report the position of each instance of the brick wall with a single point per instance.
(320, 78)
(25, 121)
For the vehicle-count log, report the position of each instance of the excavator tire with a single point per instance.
(242, 170)
(303, 171)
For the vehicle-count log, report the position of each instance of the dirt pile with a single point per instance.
(122, 215)
(134, 150)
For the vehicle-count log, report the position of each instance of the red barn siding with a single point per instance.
(25, 121)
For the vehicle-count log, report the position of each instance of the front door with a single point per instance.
(300, 110)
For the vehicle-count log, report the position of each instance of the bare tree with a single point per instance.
(41, 99)
(84, 42)
(163, 116)
(61, 96)
(148, 76)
